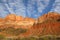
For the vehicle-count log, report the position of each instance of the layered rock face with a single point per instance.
(47, 24)
(53, 16)
(15, 20)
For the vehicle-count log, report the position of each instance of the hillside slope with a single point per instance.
(47, 24)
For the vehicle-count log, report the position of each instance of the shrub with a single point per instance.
(13, 31)
(2, 37)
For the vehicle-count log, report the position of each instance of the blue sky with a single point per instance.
(28, 8)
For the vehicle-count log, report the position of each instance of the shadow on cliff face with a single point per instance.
(49, 26)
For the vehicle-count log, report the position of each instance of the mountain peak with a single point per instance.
(49, 16)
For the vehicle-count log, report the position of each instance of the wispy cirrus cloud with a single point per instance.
(56, 6)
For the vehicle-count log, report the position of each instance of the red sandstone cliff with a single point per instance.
(47, 24)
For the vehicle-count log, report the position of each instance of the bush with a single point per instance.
(20, 31)
(2, 37)
(14, 31)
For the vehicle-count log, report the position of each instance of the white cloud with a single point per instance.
(56, 6)
(57, 0)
